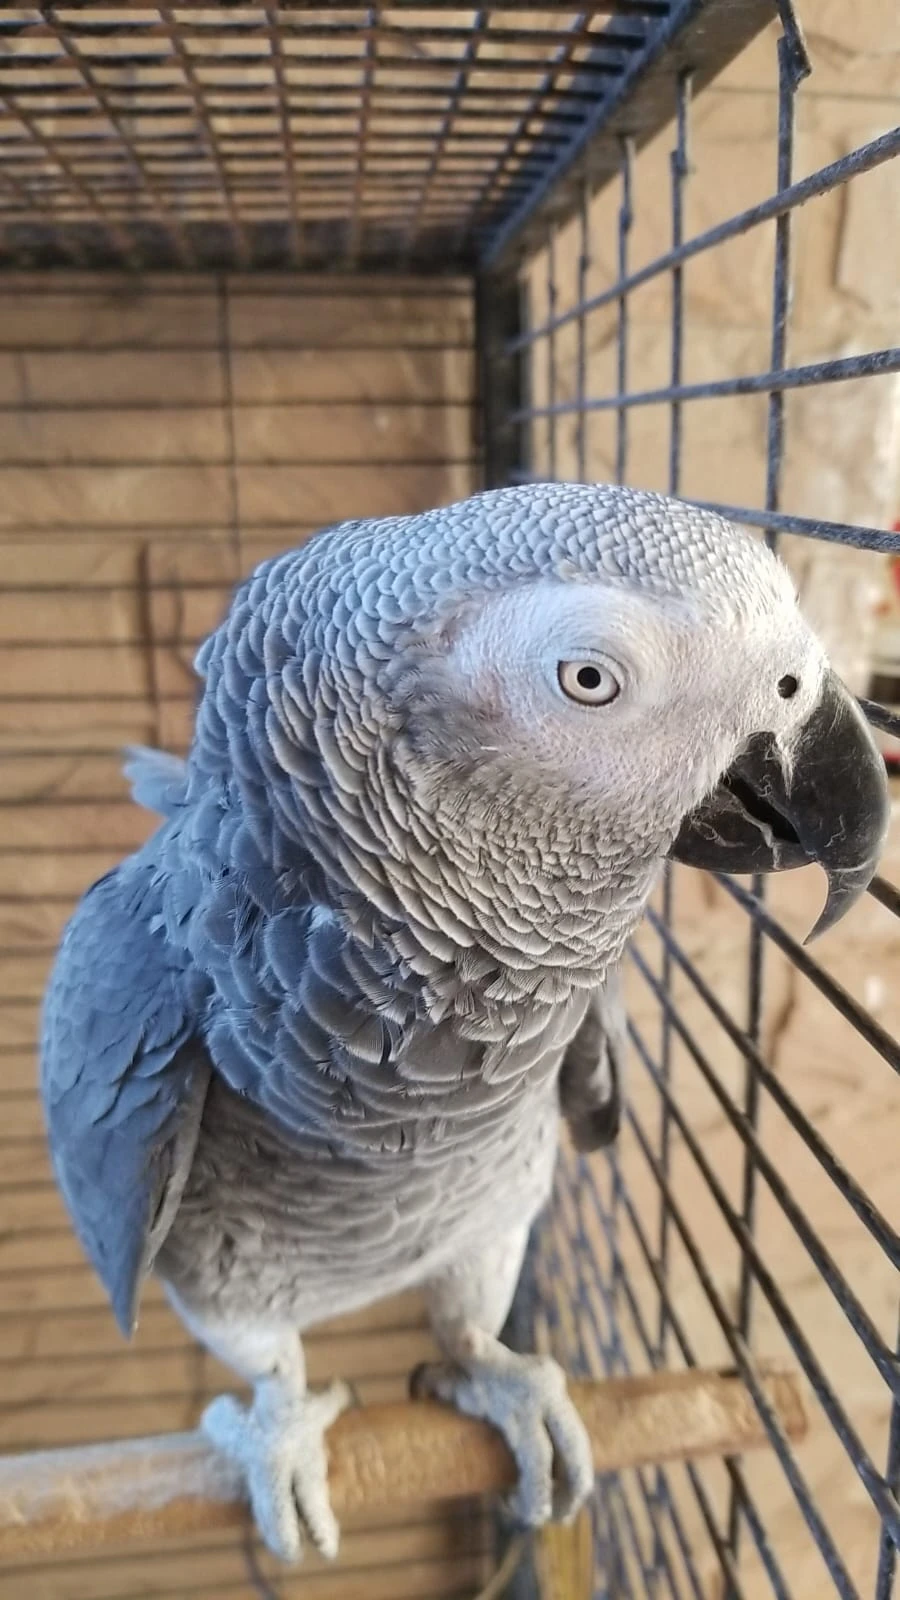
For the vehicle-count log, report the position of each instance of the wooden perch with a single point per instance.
(381, 1457)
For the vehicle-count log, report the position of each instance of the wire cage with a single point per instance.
(625, 1261)
(496, 159)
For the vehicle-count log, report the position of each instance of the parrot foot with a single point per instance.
(279, 1445)
(526, 1399)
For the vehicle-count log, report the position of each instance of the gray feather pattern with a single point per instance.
(305, 1047)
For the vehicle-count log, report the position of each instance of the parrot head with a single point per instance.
(497, 718)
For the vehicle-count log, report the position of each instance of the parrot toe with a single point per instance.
(526, 1399)
(279, 1445)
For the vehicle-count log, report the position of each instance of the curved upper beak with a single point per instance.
(831, 807)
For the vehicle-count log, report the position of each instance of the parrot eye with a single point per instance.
(787, 686)
(589, 684)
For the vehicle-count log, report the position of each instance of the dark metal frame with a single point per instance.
(193, 136)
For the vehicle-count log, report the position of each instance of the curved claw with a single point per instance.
(526, 1399)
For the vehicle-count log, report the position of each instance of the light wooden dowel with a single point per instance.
(381, 1457)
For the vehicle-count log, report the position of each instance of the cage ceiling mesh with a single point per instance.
(291, 137)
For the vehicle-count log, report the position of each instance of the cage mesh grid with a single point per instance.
(293, 138)
(680, 1532)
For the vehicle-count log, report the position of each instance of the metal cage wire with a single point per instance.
(292, 136)
(439, 140)
(591, 1310)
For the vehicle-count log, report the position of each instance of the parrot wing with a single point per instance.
(124, 1076)
(590, 1080)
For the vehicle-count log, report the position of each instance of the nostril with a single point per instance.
(788, 686)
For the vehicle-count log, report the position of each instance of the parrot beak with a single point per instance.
(832, 806)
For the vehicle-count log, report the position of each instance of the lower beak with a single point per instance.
(832, 807)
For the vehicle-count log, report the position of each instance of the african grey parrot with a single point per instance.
(309, 1045)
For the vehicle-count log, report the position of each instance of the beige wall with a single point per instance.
(156, 442)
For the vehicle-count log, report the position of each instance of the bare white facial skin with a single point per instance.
(671, 710)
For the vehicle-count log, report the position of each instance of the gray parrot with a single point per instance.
(309, 1046)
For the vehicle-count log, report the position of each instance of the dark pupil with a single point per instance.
(787, 686)
(588, 678)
